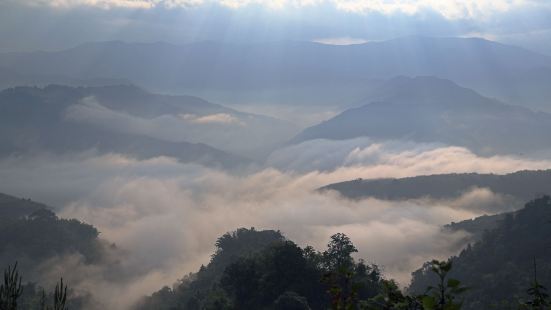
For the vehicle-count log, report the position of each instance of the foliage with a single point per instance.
(498, 269)
(391, 298)
(32, 234)
(443, 296)
(60, 296)
(291, 301)
(262, 270)
(11, 289)
(539, 299)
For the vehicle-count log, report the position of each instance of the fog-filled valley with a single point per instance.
(295, 165)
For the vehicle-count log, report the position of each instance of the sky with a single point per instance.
(57, 24)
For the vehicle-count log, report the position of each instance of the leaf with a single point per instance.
(429, 303)
(453, 283)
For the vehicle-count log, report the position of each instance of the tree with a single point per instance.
(443, 296)
(339, 275)
(538, 293)
(339, 252)
(391, 298)
(11, 289)
(60, 296)
(291, 301)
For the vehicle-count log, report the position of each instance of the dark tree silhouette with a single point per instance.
(11, 289)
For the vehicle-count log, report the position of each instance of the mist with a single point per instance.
(244, 134)
(164, 216)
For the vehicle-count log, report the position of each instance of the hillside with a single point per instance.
(499, 269)
(31, 234)
(523, 185)
(16, 208)
(253, 269)
(114, 119)
(432, 110)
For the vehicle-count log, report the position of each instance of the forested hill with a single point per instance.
(13, 208)
(500, 268)
(31, 233)
(523, 185)
(478, 226)
(263, 270)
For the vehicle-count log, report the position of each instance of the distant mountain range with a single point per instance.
(510, 73)
(113, 119)
(433, 110)
(522, 185)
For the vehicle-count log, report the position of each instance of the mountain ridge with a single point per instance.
(457, 116)
(524, 185)
(297, 64)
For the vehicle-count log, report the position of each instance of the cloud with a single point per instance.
(341, 41)
(218, 118)
(105, 4)
(392, 158)
(169, 224)
(449, 9)
(166, 215)
(193, 213)
(246, 135)
(54, 23)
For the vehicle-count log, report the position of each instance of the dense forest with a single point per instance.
(500, 267)
(262, 270)
(522, 185)
(33, 233)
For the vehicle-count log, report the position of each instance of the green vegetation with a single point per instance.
(521, 185)
(31, 234)
(11, 289)
(262, 270)
(250, 269)
(12, 297)
(500, 267)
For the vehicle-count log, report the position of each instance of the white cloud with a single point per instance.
(451, 9)
(218, 118)
(392, 158)
(341, 41)
(106, 4)
(246, 135)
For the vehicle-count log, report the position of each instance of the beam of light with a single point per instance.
(450, 9)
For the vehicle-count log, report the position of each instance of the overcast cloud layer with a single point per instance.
(448, 8)
(58, 24)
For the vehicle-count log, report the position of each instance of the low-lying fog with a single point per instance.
(165, 216)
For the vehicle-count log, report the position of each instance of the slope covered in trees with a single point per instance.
(13, 208)
(263, 270)
(31, 233)
(500, 268)
(523, 185)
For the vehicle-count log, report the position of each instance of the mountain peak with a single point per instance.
(423, 89)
